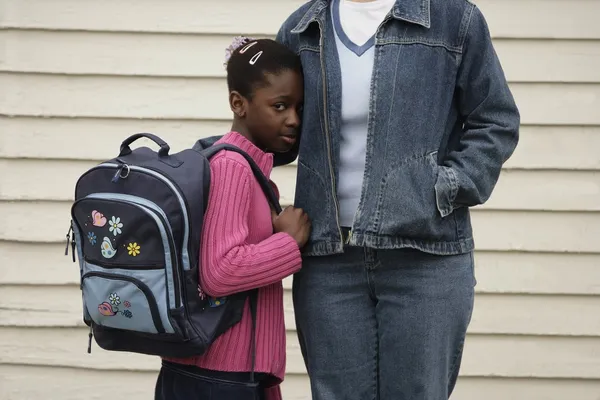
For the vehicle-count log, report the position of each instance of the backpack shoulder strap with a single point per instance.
(260, 177)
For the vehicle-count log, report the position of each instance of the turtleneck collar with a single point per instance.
(262, 159)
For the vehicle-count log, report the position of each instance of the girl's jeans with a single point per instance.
(184, 382)
(383, 324)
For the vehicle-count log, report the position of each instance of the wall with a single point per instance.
(77, 76)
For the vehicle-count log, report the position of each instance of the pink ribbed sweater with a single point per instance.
(240, 252)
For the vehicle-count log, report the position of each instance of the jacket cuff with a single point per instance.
(446, 189)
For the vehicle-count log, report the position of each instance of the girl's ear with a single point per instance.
(238, 104)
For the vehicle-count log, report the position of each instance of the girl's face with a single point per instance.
(273, 116)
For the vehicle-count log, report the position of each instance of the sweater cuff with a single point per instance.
(289, 246)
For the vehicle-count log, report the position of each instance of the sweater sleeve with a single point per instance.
(229, 264)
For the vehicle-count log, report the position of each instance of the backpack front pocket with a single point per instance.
(122, 302)
(129, 233)
(128, 260)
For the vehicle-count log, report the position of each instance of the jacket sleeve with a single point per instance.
(229, 263)
(490, 124)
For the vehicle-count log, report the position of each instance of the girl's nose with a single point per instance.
(293, 119)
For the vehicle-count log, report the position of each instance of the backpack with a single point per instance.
(136, 227)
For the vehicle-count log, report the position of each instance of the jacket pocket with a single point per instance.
(407, 202)
(446, 188)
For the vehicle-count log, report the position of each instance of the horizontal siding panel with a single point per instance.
(546, 190)
(537, 273)
(114, 53)
(552, 19)
(23, 382)
(507, 18)
(178, 98)
(494, 230)
(496, 272)
(543, 190)
(540, 147)
(536, 231)
(202, 55)
(469, 388)
(206, 98)
(505, 356)
(30, 137)
(549, 60)
(557, 147)
(494, 314)
(558, 104)
(180, 16)
(540, 315)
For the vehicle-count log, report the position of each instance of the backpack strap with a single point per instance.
(260, 177)
(253, 296)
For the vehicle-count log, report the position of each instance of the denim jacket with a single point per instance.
(442, 121)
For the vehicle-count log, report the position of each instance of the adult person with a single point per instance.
(407, 121)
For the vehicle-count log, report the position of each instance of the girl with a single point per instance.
(408, 119)
(243, 245)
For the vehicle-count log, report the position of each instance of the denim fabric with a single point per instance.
(442, 121)
(383, 324)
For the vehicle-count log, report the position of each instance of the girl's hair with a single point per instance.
(249, 60)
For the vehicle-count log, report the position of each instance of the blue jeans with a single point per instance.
(188, 382)
(383, 324)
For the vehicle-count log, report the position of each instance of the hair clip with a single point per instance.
(255, 58)
(246, 47)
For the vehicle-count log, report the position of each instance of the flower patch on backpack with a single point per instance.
(133, 249)
(216, 301)
(115, 226)
(110, 308)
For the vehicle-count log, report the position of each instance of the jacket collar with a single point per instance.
(262, 159)
(414, 11)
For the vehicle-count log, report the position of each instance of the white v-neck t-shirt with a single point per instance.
(355, 25)
(361, 20)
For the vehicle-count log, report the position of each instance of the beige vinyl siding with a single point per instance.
(77, 76)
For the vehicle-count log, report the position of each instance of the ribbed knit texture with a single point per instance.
(239, 252)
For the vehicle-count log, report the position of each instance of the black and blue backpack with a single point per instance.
(136, 227)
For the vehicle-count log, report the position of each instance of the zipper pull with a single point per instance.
(119, 174)
(115, 178)
(73, 244)
(68, 234)
(90, 335)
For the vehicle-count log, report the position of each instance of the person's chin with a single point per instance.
(283, 145)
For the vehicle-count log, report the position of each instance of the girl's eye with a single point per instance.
(279, 106)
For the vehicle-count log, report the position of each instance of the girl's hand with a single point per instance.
(293, 221)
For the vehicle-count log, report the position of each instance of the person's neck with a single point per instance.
(240, 128)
